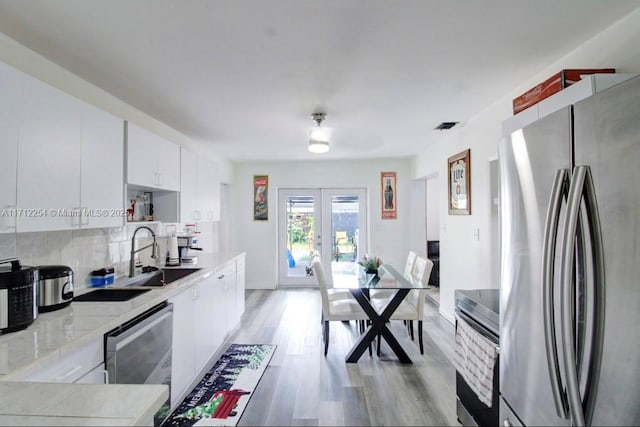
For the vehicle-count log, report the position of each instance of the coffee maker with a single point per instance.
(187, 244)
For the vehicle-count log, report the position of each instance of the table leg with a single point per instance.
(378, 326)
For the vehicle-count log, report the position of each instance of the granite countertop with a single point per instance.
(57, 333)
(32, 404)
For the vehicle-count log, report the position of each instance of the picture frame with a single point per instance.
(261, 198)
(388, 195)
(459, 183)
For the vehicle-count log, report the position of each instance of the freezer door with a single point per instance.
(607, 138)
(529, 161)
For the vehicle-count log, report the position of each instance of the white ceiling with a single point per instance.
(243, 76)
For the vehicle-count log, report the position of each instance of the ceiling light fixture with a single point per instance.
(319, 136)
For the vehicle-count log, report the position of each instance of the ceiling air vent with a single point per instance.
(446, 125)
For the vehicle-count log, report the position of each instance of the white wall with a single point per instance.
(433, 208)
(417, 217)
(465, 262)
(389, 240)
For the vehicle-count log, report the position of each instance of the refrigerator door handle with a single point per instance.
(548, 257)
(597, 247)
(582, 185)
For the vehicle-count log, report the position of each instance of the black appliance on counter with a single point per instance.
(55, 287)
(480, 309)
(18, 295)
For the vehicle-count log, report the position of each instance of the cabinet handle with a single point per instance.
(106, 376)
(196, 215)
(221, 276)
(160, 182)
(69, 373)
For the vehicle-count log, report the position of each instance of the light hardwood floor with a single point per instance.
(302, 387)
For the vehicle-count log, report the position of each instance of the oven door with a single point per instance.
(139, 351)
(470, 410)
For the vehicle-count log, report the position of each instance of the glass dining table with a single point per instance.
(388, 278)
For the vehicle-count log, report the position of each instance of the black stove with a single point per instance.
(482, 305)
(480, 309)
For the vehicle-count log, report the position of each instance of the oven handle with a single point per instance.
(478, 327)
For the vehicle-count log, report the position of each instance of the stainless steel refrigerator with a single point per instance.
(570, 265)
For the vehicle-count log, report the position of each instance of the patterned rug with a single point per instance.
(223, 393)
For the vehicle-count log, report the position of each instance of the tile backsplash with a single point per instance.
(87, 250)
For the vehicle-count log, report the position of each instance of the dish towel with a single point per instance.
(475, 359)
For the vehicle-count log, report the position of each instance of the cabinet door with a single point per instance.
(9, 87)
(240, 266)
(102, 164)
(142, 159)
(227, 275)
(183, 352)
(73, 365)
(168, 177)
(211, 321)
(189, 210)
(48, 158)
(209, 189)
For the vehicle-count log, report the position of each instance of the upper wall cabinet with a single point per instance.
(152, 161)
(199, 188)
(68, 159)
(8, 147)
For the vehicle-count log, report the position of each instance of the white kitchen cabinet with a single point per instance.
(8, 146)
(102, 169)
(62, 159)
(199, 188)
(209, 189)
(152, 161)
(71, 367)
(226, 275)
(49, 147)
(211, 321)
(189, 209)
(183, 367)
(240, 275)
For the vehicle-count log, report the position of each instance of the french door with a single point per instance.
(331, 221)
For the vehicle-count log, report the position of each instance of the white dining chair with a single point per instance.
(336, 310)
(412, 308)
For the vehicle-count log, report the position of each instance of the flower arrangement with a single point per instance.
(370, 263)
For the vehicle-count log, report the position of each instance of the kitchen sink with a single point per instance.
(111, 294)
(173, 274)
(160, 277)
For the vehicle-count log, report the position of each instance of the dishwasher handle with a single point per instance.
(129, 331)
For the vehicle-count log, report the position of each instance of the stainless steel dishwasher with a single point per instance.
(139, 351)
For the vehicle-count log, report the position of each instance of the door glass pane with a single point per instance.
(300, 234)
(345, 233)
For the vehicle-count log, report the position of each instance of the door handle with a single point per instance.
(582, 188)
(548, 257)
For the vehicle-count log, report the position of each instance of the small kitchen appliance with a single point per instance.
(55, 287)
(186, 244)
(18, 295)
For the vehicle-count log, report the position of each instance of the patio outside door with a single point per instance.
(331, 221)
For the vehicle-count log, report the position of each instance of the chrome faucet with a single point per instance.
(134, 251)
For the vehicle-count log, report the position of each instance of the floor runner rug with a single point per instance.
(223, 393)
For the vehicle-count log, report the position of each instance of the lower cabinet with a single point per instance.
(211, 320)
(203, 315)
(74, 365)
(183, 361)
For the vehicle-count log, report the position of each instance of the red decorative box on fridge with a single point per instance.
(552, 85)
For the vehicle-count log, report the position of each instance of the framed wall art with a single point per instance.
(260, 198)
(459, 171)
(389, 195)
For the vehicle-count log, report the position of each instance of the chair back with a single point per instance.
(422, 271)
(408, 266)
(322, 284)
